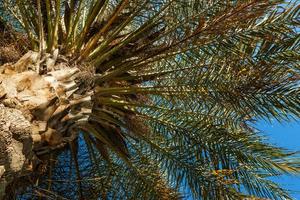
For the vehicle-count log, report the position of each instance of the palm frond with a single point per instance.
(165, 95)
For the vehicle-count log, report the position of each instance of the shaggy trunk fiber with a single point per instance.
(38, 107)
(16, 153)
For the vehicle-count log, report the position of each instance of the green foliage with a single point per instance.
(178, 87)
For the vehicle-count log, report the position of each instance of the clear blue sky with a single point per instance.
(285, 135)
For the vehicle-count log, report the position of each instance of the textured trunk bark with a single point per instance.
(38, 112)
(16, 147)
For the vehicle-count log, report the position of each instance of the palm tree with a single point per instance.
(146, 99)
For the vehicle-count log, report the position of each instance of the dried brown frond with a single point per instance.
(137, 125)
(12, 44)
(9, 53)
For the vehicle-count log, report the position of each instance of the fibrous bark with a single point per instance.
(16, 155)
(37, 112)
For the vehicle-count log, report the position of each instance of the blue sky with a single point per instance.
(284, 135)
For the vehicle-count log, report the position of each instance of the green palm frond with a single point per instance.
(173, 91)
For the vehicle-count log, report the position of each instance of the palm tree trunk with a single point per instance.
(36, 112)
(16, 152)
